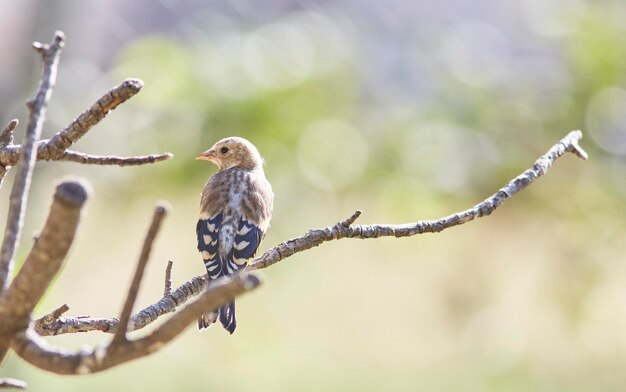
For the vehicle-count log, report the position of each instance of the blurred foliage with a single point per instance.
(405, 111)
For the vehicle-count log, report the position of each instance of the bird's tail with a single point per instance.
(206, 320)
(227, 317)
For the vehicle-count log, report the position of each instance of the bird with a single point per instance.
(235, 212)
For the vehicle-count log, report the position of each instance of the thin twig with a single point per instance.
(51, 317)
(351, 219)
(19, 194)
(168, 279)
(159, 213)
(315, 237)
(6, 136)
(79, 157)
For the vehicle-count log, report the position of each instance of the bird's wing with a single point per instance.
(207, 231)
(247, 240)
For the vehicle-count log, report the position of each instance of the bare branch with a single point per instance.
(157, 218)
(46, 326)
(168, 279)
(18, 299)
(318, 236)
(36, 351)
(315, 237)
(8, 383)
(47, 255)
(146, 316)
(79, 157)
(43, 262)
(53, 149)
(19, 194)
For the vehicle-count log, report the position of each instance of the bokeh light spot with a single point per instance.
(332, 153)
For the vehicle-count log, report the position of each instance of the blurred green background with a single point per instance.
(406, 110)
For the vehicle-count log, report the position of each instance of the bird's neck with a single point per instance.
(244, 166)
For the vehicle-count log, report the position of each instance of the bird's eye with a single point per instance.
(224, 150)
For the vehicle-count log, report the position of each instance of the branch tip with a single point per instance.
(6, 136)
(10, 126)
(351, 219)
(576, 149)
(168, 279)
(133, 84)
(73, 191)
(38, 46)
(251, 281)
(162, 208)
(6, 383)
(58, 312)
(59, 38)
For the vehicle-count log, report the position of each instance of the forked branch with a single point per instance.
(45, 261)
(315, 237)
(19, 193)
(56, 148)
(19, 298)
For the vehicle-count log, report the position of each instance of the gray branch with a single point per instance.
(343, 229)
(26, 159)
(51, 325)
(167, 290)
(18, 299)
(56, 148)
(131, 297)
(347, 229)
(53, 149)
(79, 157)
(45, 259)
(43, 262)
(30, 347)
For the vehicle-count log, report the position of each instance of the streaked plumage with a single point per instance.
(235, 213)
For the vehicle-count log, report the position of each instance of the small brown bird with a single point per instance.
(235, 212)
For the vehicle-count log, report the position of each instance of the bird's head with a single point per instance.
(233, 152)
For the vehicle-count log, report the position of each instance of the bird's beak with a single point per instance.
(208, 155)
